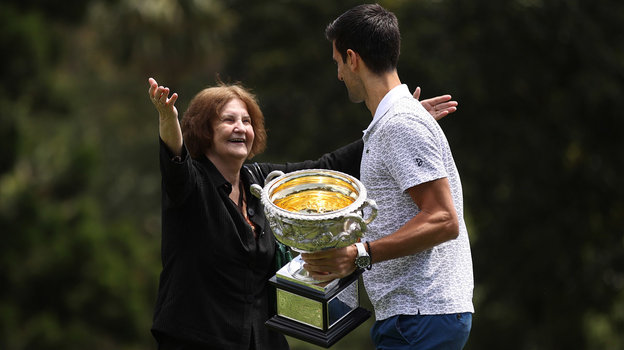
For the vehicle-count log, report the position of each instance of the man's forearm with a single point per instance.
(424, 231)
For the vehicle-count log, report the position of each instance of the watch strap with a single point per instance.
(360, 248)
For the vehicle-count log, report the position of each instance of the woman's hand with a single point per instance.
(439, 107)
(164, 104)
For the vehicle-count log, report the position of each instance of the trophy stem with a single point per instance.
(296, 270)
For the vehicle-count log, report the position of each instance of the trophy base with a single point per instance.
(316, 336)
(318, 314)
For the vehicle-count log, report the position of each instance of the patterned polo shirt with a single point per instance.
(403, 147)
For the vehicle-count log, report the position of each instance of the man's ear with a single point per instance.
(352, 60)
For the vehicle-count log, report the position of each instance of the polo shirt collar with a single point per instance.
(397, 93)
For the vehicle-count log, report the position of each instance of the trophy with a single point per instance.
(312, 210)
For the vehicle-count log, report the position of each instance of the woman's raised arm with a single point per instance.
(168, 123)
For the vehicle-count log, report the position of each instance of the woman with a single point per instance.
(217, 248)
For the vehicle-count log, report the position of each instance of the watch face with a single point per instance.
(362, 261)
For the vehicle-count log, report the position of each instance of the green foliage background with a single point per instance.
(536, 140)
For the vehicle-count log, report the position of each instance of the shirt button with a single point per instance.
(251, 212)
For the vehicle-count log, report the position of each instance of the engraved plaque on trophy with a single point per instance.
(312, 210)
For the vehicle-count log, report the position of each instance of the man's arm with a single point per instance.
(436, 223)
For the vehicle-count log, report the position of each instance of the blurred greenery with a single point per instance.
(536, 140)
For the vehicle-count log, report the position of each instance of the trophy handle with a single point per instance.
(356, 219)
(373, 210)
(353, 219)
(272, 175)
(256, 190)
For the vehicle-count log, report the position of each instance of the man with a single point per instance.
(420, 281)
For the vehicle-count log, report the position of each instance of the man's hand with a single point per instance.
(327, 265)
(439, 107)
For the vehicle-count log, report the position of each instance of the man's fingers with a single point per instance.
(316, 268)
(316, 256)
(417, 93)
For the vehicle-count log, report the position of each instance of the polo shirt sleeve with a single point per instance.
(413, 156)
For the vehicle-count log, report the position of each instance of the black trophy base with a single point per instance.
(317, 336)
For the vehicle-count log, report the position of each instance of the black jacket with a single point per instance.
(213, 288)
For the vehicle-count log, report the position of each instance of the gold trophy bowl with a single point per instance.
(315, 209)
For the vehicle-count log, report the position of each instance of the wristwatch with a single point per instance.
(362, 260)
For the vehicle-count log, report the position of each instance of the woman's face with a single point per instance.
(233, 133)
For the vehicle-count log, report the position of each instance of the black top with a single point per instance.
(213, 288)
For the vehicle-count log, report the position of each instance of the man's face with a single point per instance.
(350, 79)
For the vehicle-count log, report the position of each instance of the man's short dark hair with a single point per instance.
(372, 32)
